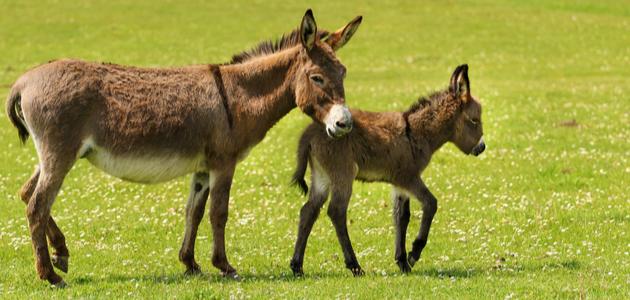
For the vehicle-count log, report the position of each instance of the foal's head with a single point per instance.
(319, 88)
(468, 130)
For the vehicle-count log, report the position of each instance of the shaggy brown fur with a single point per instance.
(151, 125)
(393, 147)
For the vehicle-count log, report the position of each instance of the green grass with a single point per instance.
(543, 213)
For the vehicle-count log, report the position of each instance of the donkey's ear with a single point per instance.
(340, 37)
(308, 30)
(460, 84)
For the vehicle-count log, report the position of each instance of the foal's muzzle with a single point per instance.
(338, 121)
(481, 146)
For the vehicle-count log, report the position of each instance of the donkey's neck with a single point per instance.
(433, 125)
(261, 92)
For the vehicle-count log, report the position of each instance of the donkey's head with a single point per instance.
(319, 88)
(468, 129)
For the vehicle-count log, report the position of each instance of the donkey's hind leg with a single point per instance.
(401, 215)
(54, 167)
(55, 236)
(308, 216)
(199, 191)
(429, 208)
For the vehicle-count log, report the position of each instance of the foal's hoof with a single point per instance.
(357, 272)
(60, 262)
(297, 269)
(298, 272)
(59, 285)
(231, 275)
(412, 261)
(194, 271)
(404, 266)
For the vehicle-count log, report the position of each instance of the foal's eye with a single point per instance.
(318, 79)
(474, 121)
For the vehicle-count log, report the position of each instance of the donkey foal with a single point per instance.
(393, 147)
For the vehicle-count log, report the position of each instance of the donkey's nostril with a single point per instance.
(479, 149)
(341, 124)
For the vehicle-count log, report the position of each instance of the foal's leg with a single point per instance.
(220, 197)
(55, 237)
(308, 216)
(199, 190)
(401, 216)
(429, 207)
(337, 211)
(53, 170)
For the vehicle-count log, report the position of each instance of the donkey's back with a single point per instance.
(139, 124)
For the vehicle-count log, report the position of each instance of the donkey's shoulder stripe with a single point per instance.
(216, 74)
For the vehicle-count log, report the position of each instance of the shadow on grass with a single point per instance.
(456, 272)
(550, 266)
(178, 278)
(451, 272)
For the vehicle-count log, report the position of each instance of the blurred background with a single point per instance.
(543, 213)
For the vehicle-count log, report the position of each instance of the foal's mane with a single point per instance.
(268, 47)
(426, 101)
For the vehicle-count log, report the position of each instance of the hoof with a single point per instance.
(193, 271)
(59, 285)
(404, 266)
(298, 273)
(357, 272)
(231, 275)
(60, 262)
(412, 261)
(297, 269)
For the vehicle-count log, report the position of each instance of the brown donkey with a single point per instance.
(393, 147)
(152, 125)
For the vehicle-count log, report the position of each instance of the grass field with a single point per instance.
(543, 213)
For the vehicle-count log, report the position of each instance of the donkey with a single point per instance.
(393, 147)
(152, 125)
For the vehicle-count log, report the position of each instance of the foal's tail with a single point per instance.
(303, 153)
(14, 110)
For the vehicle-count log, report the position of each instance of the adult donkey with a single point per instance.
(152, 125)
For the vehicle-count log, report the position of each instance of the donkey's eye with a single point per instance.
(318, 79)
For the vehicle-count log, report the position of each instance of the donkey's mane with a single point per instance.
(426, 101)
(267, 47)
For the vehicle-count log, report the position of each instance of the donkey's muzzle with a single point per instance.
(481, 146)
(339, 121)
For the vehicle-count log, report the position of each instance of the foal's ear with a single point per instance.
(460, 84)
(308, 30)
(340, 37)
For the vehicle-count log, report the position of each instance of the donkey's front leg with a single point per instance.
(337, 211)
(429, 208)
(308, 216)
(220, 197)
(401, 215)
(199, 191)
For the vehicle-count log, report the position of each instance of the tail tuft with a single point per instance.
(303, 153)
(301, 183)
(14, 111)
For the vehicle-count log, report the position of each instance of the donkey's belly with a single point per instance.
(144, 169)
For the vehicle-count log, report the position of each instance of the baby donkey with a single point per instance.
(393, 147)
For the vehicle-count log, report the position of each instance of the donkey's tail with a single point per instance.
(14, 110)
(303, 153)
